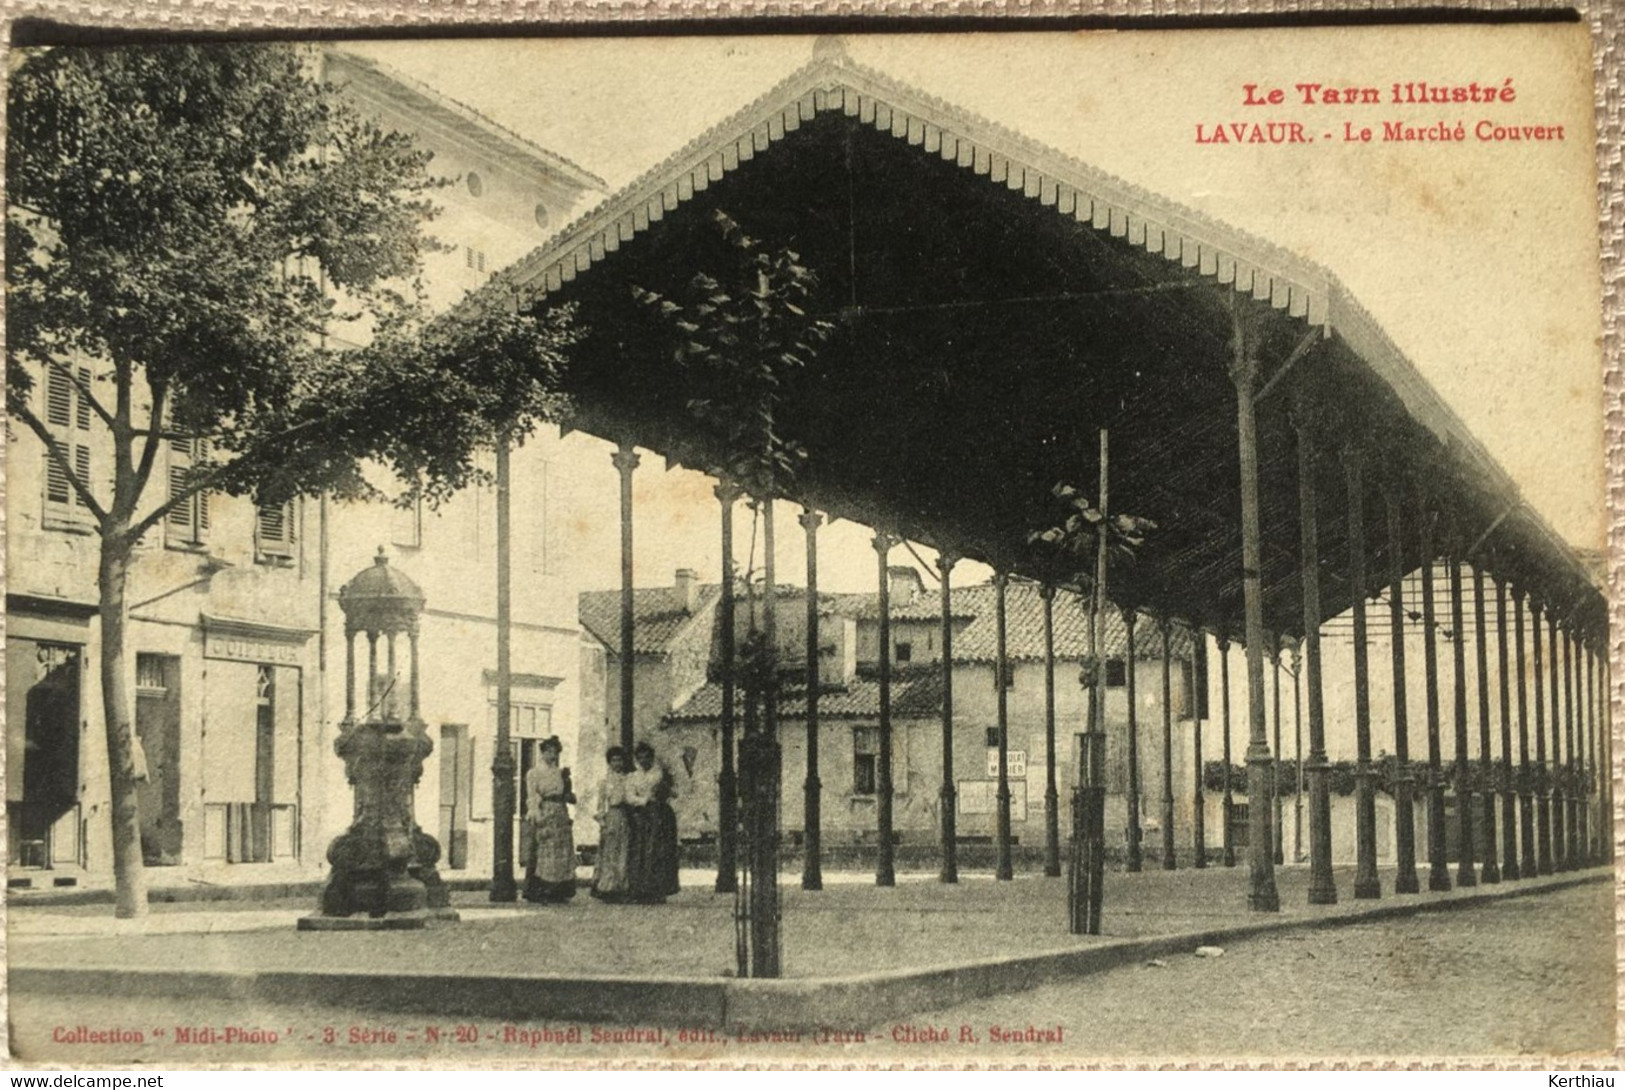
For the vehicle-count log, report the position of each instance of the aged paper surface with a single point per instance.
(988, 216)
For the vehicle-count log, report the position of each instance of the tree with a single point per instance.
(740, 338)
(184, 225)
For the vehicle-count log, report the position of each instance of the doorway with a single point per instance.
(42, 790)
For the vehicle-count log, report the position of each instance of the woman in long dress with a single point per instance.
(644, 860)
(550, 856)
(662, 818)
(610, 880)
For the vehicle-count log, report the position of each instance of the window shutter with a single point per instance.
(57, 488)
(273, 529)
(180, 460)
(189, 519)
(81, 466)
(67, 414)
(58, 398)
(82, 408)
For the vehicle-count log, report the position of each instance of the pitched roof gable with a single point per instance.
(832, 81)
(658, 622)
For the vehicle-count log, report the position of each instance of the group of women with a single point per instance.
(637, 838)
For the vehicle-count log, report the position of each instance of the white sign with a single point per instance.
(218, 645)
(1016, 760)
(982, 797)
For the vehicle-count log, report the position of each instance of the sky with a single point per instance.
(1479, 258)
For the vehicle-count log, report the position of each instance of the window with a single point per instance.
(1009, 678)
(187, 524)
(407, 530)
(905, 652)
(865, 760)
(992, 737)
(67, 415)
(1116, 674)
(274, 531)
(474, 259)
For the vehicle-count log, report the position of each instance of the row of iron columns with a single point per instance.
(1565, 798)
(1559, 803)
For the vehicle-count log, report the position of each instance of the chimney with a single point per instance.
(905, 584)
(687, 590)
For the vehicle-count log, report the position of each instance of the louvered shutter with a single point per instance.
(67, 414)
(273, 529)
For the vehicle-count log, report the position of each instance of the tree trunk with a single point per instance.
(129, 876)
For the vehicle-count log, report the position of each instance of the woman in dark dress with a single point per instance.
(651, 866)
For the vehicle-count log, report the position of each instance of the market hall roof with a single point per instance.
(998, 303)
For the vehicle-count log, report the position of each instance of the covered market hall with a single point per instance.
(1005, 323)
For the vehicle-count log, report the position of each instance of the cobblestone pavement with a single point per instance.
(1528, 976)
(850, 927)
(1525, 976)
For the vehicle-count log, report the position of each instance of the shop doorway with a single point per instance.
(158, 729)
(42, 782)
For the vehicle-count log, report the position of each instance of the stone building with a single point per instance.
(236, 638)
(678, 698)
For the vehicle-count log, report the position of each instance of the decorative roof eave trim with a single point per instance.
(1228, 255)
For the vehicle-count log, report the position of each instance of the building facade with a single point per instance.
(237, 640)
(678, 706)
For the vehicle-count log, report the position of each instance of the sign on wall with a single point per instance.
(981, 797)
(1016, 762)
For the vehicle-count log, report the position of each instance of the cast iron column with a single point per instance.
(1262, 895)
(1543, 787)
(727, 782)
(1593, 779)
(885, 872)
(1466, 872)
(1165, 626)
(1001, 666)
(1438, 868)
(626, 460)
(1275, 778)
(812, 865)
(503, 887)
(763, 768)
(1198, 796)
(1527, 866)
(1297, 749)
(949, 794)
(1052, 800)
(1571, 763)
(1224, 714)
(1405, 880)
(1559, 791)
(1509, 793)
(1135, 858)
(1366, 883)
(1605, 749)
(1322, 890)
(1491, 871)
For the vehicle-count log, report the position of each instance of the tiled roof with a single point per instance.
(1024, 628)
(915, 695)
(657, 620)
(925, 607)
